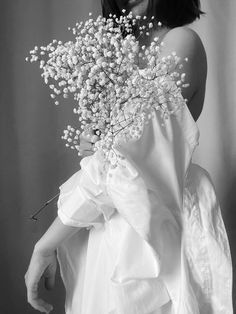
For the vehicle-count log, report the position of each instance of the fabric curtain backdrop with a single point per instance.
(34, 160)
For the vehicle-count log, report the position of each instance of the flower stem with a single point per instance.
(33, 217)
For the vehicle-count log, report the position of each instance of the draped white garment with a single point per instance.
(152, 240)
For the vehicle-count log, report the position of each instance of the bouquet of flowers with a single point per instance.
(113, 97)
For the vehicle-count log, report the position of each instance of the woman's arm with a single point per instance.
(54, 236)
(186, 43)
(43, 263)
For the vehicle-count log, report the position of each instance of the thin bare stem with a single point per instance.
(33, 217)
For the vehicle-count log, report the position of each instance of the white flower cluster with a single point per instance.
(113, 97)
(71, 135)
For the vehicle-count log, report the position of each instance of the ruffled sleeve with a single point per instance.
(83, 201)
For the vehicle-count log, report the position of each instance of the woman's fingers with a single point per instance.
(94, 138)
(89, 137)
(41, 306)
(34, 300)
(86, 153)
(86, 148)
(87, 140)
(40, 266)
(49, 275)
(86, 145)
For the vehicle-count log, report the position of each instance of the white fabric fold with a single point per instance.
(82, 201)
(148, 262)
(147, 190)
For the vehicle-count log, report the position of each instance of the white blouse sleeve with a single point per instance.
(83, 201)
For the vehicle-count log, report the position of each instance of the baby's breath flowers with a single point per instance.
(113, 97)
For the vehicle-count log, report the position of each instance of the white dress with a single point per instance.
(152, 238)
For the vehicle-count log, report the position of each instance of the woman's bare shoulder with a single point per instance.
(183, 32)
(185, 41)
(187, 44)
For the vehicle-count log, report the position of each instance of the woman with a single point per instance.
(163, 247)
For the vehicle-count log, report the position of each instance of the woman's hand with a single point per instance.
(42, 265)
(87, 141)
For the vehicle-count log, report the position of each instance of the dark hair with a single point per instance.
(171, 13)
